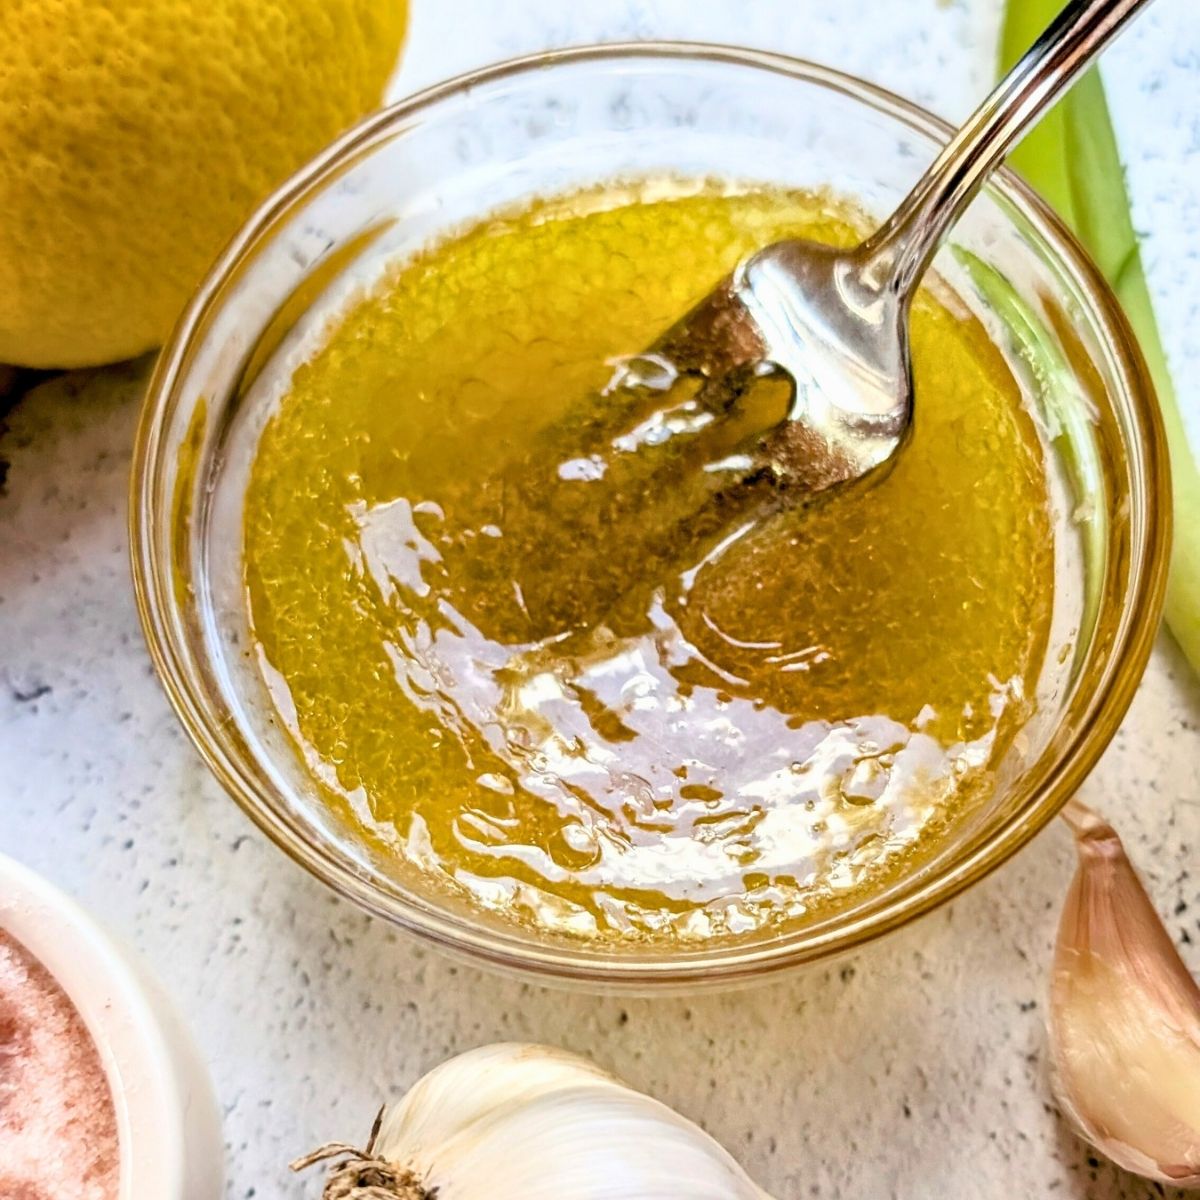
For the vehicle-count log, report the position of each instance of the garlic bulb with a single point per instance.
(1125, 1017)
(514, 1122)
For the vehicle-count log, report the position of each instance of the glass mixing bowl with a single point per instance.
(446, 158)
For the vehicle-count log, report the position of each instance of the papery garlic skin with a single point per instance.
(518, 1122)
(1124, 1017)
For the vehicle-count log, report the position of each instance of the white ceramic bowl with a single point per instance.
(167, 1122)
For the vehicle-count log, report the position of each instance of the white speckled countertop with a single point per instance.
(914, 1070)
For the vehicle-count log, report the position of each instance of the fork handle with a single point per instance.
(896, 255)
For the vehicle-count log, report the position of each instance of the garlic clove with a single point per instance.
(513, 1122)
(1124, 1017)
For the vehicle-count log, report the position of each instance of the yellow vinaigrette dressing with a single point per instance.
(541, 640)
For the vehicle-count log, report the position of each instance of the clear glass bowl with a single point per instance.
(451, 155)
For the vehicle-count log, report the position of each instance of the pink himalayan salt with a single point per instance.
(58, 1127)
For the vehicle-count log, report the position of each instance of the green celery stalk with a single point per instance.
(1071, 158)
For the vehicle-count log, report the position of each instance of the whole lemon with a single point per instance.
(136, 135)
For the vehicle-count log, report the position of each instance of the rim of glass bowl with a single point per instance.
(1104, 706)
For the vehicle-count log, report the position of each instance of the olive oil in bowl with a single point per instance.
(537, 638)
